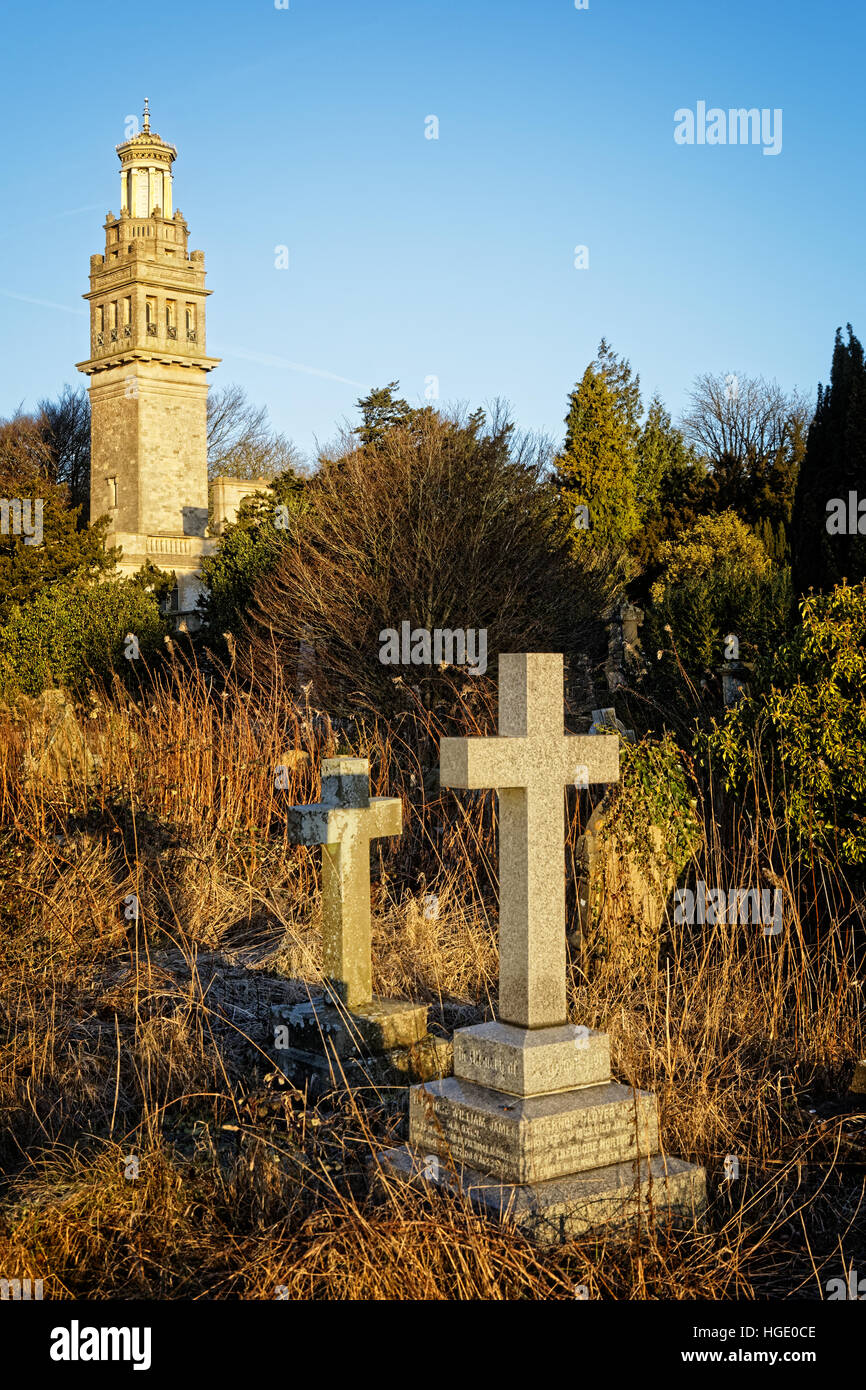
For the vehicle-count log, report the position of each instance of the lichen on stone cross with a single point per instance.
(344, 822)
(529, 764)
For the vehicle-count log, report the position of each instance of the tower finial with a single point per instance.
(146, 115)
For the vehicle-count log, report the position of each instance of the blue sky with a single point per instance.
(452, 258)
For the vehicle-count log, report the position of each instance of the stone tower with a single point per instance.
(148, 375)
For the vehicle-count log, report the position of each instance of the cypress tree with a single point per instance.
(597, 467)
(834, 466)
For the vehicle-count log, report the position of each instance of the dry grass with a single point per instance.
(146, 1038)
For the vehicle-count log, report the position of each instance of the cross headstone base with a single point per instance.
(614, 1197)
(532, 1127)
(322, 1045)
(531, 1061)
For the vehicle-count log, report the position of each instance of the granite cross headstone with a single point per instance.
(344, 822)
(531, 1124)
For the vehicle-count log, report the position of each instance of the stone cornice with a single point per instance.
(100, 364)
(127, 218)
(115, 279)
(146, 145)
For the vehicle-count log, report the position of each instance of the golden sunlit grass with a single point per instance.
(143, 1036)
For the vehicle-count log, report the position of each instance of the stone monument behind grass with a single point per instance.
(531, 1123)
(344, 1035)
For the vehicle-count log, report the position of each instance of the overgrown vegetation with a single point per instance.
(73, 635)
(443, 522)
(808, 727)
(147, 1039)
(152, 910)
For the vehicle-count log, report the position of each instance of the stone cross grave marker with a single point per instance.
(531, 1123)
(530, 764)
(349, 1035)
(344, 822)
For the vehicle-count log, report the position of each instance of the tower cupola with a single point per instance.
(145, 172)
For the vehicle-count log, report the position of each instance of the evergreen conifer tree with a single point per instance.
(834, 466)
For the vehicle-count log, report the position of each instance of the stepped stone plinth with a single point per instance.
(322, 1043)
(531, 1139)
(657, 1190)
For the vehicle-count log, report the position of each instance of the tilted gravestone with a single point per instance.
(531, 1123)
(345, 1034)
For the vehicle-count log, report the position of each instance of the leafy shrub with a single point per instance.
(74, 632)
(637, 843)
(656, 790)
(714, 545)
(249, 548)
(696, 616)
(66, 551)
(811, 722)
(717, 580)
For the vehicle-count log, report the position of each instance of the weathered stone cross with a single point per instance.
(344, 822)
(530, 764)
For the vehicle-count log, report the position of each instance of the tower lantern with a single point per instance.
(145, 172)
